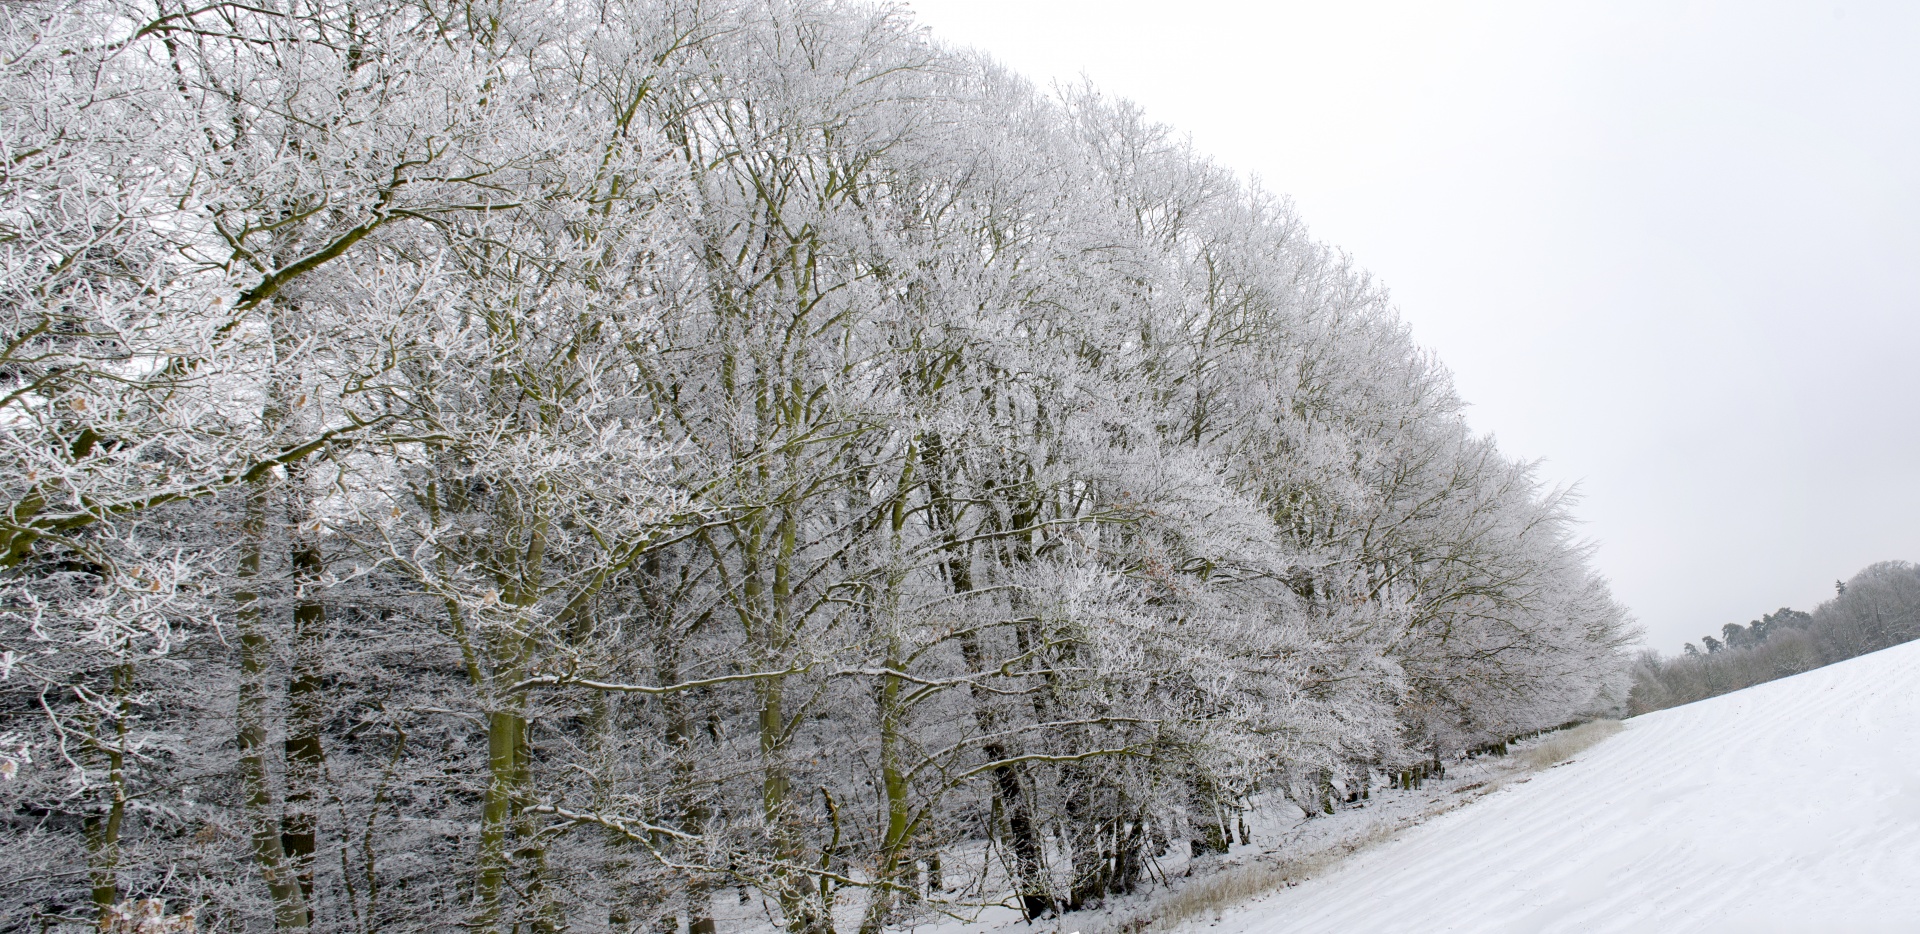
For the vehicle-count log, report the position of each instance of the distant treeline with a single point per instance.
(1879, 607)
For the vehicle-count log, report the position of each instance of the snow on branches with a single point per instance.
(543, 464)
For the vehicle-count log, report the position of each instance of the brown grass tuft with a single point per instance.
(1566, 744)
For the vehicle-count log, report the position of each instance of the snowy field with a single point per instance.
(1790, 806)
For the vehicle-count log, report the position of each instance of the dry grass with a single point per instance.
(1228, 888)
(1232, 886)
(1564, 745)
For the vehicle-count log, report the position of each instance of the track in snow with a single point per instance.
(1789, 806)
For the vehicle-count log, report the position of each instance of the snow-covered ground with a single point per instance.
(1790, 806)
(1281, 845)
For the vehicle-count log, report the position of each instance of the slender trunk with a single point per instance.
(103, 829)
(256, 652)
(1106, 853)
(508, 759)
(894, 780)
(691, 810)
(506, 728)
(1130, 862)
(1023, 835)
(693, 820)
(1091, 832)
(306, 756)
(893, 845)
(1203, 811)
(800, 900)
(776, 806)
(1029, 852)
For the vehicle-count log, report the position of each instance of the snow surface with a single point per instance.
(1789, 806)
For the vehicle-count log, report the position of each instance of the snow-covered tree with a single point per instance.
(534, 466)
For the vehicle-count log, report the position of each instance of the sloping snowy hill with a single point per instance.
(1790, 806)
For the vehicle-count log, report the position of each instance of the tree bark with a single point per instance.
(305, 752)
(263, 807)
(103, 830)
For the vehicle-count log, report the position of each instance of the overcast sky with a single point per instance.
(1670, 248)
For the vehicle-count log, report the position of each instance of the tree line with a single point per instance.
(548, 466)
(1877, 609)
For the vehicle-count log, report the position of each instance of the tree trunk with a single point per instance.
(799, 898)
(1023, 835)
(691, 810)
(306, 756)
(506, 736)
(103, 830)
(508, 759)
(256, 653)
(894, 842)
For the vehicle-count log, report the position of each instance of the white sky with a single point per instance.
(1669, 247)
